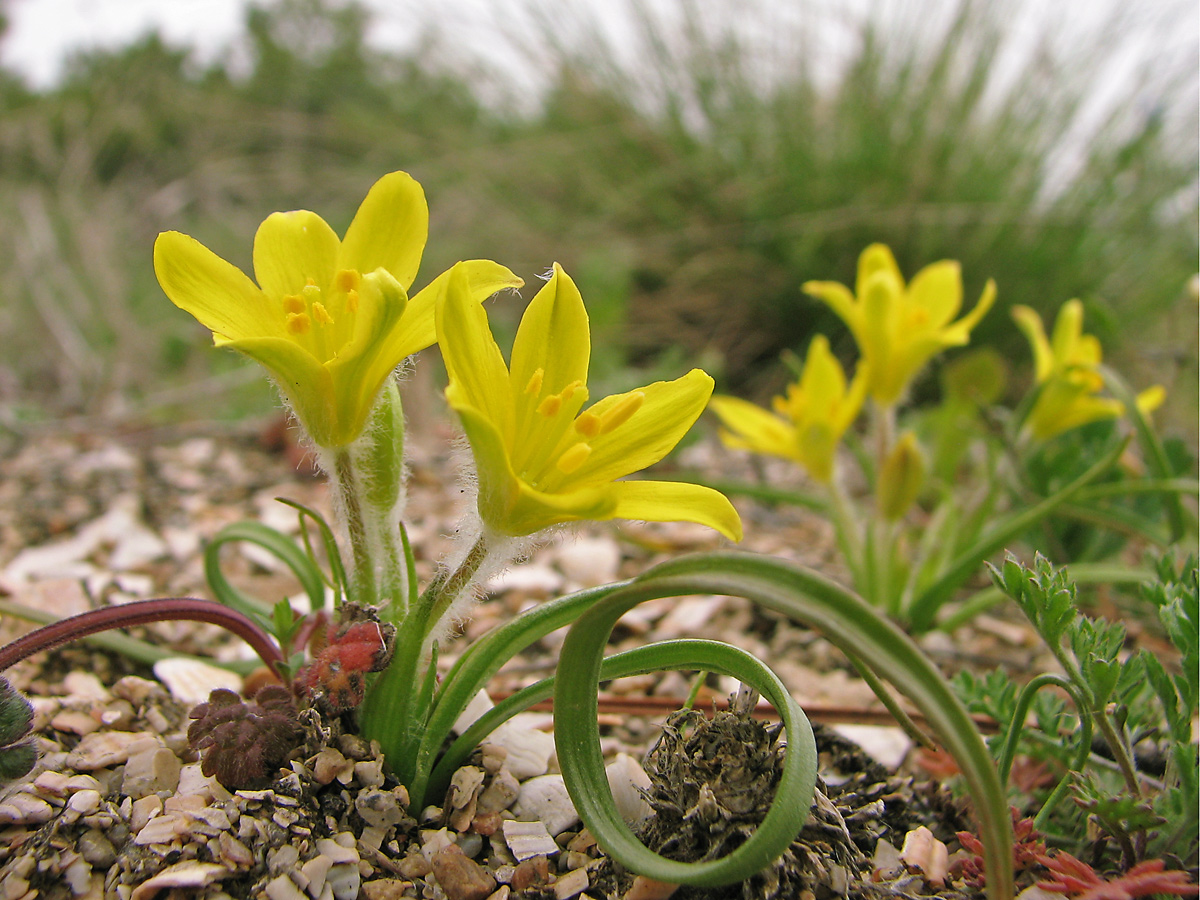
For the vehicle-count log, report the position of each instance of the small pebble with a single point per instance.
(96, 848)
(345, 880)
(25, 809)
(500, 794)
(283, 888)
(151, 771)
(531, 872)
(460, 877)
(644, 888)
(569, 885)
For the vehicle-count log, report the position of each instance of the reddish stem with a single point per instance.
(141, 612)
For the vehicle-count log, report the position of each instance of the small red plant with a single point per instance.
(1028, 849)
(1081, 882)
(336, 679)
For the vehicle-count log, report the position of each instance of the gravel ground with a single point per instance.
(119, 807)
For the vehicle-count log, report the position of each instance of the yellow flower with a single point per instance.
(808, 422)
(1066, 367)
(900, 328)
(330, 319)
(542, 461)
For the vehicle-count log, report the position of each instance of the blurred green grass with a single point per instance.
(690, 174)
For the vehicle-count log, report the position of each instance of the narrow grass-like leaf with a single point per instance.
(926, 605)
(479, 662)
(279, 546)
(1156, 454)
(849, 623)
(577, 739)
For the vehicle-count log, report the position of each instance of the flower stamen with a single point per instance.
(621, 412)
(574, 457)
(535, 382)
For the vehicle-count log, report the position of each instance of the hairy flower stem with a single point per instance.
(884, 423)
(368, 477)
(362, 579)
(141, 612)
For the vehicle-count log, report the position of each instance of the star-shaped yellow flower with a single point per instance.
(1066, 367)
(329, 318)
(540, 460)
(808, 422)
(899, 328)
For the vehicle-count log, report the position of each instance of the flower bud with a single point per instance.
(901, 478)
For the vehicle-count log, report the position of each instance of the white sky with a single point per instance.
(43, 32)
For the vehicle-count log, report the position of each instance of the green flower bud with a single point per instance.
(901, 478)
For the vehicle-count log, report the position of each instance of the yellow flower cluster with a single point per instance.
(331, 319)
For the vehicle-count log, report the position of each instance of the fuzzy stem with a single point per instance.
(362, 577)
(884, 422)
(141, 612)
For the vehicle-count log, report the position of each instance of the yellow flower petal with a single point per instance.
(292, 249)
(811, 421)
(217, 293)
(478, 375)
(1151, 399)
(668, 501)
(937, 291)
(839, 299)
(1031, 324)
(329, 318)
(876, 259)
(389, 230)
(750, 427)
(418, 329)
(668, 409)
(305, 383)
(369, 357)
(549, 368)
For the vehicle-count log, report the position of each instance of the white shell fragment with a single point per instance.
(528, 839)
(190, 874)
(479, 705)
(625, 776)
(886, 744)
(190, 681)
(545, 799)
(924, 853)
(529, 750)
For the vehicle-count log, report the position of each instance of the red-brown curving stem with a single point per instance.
(141, 612)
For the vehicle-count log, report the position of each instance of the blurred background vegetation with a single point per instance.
(691, 173)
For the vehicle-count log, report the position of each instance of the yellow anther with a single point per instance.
(588, 424)
(621, 411)
(347, 280)
(573, 458)
(298, 323)
(535, 382)
(293, 304)
(310, 282)
(321, 314)
(352, 301)
(551, 405)
(569, 391)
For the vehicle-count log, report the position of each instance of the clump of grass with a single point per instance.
(694, 168)
(740, 161)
